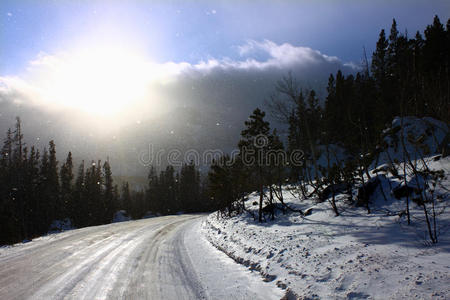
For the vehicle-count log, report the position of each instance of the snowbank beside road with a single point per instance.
(353, 256)
(222, 278)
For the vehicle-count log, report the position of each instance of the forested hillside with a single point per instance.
(341, 140)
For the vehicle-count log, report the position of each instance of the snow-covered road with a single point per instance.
(157, 258)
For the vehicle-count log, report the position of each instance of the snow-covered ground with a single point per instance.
(353, 256)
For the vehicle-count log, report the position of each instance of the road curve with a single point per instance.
(144, 259)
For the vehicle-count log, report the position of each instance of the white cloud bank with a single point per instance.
(67, 78)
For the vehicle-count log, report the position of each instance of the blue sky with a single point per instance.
(197, 30)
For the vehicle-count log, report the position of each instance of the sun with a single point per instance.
(101, 80)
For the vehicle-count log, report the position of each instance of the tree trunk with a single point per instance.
(260, 203)
(271, 203)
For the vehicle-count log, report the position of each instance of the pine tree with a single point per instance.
(418, 108)
(126, 197)
(116, 196)
(391, 54)
(152, 191)
(108, 194)
(93, 184)
(167, 180)
(80, 203)
(49, 197)
(18, 180)
(189, 188)
(253, 148)
(67, 188)
(220, 185)
(44, 200)
(8, 232)
(31, 190)
(379, 60)
(436, 63)
(52, 181)
(6, 152)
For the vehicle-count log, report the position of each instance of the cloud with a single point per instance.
(117, 77)
(272, 55)
(15, 90)
(285, 55)
(260, 59)
(239, 85)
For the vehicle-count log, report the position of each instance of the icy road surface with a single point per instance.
(157, 258)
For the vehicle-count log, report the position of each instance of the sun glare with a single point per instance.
(101, 81)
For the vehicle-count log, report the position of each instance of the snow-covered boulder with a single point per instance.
(60, 225)
(148, 215)
(421, 137)
(121, 216)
